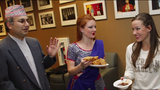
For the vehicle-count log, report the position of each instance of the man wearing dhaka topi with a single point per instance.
(22, 61)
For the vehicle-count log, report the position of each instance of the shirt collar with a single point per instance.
(16, 39)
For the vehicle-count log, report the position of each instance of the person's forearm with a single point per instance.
(75, 70)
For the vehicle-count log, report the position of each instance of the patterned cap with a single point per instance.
(14, 11)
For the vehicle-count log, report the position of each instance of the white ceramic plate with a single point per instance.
(115, 84)
(99, 65)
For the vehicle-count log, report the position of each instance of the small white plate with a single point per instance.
(115, 84)
(99, 65)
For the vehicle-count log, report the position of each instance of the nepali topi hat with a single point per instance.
(14, 11)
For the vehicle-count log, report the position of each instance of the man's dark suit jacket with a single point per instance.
(15, 72)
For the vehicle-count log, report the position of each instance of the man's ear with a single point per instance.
(9, 25)
(149, 28)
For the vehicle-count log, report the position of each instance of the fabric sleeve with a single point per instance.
(131, 7)
(129, 71)
(5, 83)
(71, 54)
(47, 61)
(123, 9)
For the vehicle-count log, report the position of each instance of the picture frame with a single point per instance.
(44, 4)
(1, 15)
(62, 52)
(2, 29)
(154, 7)
(65, 1)
(9, 3)
(68, 14)
(32, 20)
(47, 19)
(28, 6)
(122, 12)
(97, 9)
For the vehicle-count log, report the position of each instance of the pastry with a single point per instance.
(88, 58)
(95, 60)
(102, 61)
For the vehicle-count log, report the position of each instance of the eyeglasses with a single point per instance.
(23, 21)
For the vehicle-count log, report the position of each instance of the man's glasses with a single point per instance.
(23, 21)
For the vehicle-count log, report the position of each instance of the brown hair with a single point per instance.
(154, 40)
(81, 22)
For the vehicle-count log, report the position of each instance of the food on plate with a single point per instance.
(99, 62)
(88, 58)
(102, 61)
(95, 57)
(95, 60)
(123, 84)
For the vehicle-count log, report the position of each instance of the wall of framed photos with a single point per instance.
(116, 33)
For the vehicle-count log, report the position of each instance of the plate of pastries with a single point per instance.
(96, 62)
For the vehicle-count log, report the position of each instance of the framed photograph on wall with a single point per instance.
(62, 52)
(47, 19)
(65, 1)
(1, 15)
(154, 7)
(44, 4)
(28, 6)
(32, 20)
(2, 29)
(68, 14)
(97, 9)
(9, 3)
(125, 8)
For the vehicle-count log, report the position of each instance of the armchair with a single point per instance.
(109, 74)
